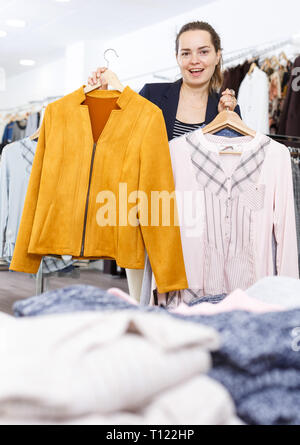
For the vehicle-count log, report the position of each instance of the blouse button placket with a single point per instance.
(228, 209)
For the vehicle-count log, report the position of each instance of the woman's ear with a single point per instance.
(218, 57)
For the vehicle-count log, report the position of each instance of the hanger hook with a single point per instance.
(104, 55)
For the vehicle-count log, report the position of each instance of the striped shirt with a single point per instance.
(181, 128)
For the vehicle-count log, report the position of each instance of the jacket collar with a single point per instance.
(124, 97)
(170, 104)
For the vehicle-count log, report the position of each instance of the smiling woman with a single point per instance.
(198, 52)
(193, 100)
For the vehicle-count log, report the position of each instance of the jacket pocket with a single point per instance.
(254, 197)
(45, 236)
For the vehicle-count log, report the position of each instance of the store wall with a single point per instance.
(149, 50)
(240, 25)
(35, 84)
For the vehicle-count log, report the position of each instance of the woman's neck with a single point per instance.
(192, 104)
(199, 92)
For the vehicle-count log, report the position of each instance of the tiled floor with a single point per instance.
(16, 285)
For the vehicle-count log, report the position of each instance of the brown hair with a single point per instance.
(217, 78)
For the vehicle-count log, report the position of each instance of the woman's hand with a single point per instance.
(227, 101)
(97, 77)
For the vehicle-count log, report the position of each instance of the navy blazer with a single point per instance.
(166, 97)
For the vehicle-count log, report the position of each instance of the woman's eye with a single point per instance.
(203, 52)
(184, 54)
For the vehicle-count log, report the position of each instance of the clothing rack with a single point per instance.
(254, 53)
(281, 137)
(232, 56)
(292, 142)
(30, 104)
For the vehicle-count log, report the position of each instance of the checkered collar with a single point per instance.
(208, 168)
(28, 151)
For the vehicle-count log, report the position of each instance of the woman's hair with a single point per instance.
(217, 78)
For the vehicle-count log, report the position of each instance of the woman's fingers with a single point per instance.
(100, 78)
(227, 101)
(97, 77)
(225, 92)
(94, 78)
(101, 70)
(229, 92)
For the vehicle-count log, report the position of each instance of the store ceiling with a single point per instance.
(51, 25)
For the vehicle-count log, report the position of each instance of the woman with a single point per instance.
(191, 101)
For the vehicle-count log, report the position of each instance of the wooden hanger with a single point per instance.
(266, 64)
(112, 80)
(283, 56)
(228, 119)
(252, 68)
(275, 62)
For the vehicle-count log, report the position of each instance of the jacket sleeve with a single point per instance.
(23, 261)
(238, 111)
(285, 221)
(4, 178)
(161, 237)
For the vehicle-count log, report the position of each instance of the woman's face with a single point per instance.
(197, 57)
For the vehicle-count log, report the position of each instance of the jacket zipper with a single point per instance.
(87, 200)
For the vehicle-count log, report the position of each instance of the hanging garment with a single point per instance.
(296, 185)
(275, 102)
(19, 130)
(15, 167)
(7, 135)
(233, 77)
(3, 124)
(290, 116)
(253, 99)
(229, 207)
(32, 124)
(70, 169)
(245, 198)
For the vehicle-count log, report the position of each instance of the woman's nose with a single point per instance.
(195, 58)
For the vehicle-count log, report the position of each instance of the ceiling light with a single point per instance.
(3, 33)
(16, 23)
(27, 62)
(62, 1)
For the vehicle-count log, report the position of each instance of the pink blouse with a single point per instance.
(229, 207)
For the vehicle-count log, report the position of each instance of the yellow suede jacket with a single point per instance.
(69, 171)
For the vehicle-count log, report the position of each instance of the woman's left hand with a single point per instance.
(228, 100)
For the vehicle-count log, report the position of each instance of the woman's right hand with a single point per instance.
(97, 77)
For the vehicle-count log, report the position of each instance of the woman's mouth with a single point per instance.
(196, 72)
